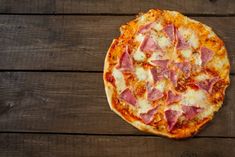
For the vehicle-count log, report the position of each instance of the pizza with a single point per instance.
(166, 74)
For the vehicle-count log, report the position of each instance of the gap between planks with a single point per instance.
(108, 135)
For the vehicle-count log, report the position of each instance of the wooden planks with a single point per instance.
(76, 103)
(224, 7)
(36, 145)
(70, 42)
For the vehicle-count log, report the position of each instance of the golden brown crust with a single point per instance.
(206, 37)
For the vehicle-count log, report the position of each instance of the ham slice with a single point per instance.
(206, 55)
(191, 111)
(153, 93)
(149, 116)
(172, 118)
(172, 98)
(156, 75)
(161, 63)
(181, 43)
(185, 67)
(207, 84)
(127, 96)
(146, 28)
(149, 45)
(172, 76)
(170, 32)
(125, 62)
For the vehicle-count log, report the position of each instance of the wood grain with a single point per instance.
(116, 6)
(36, 145)
(76, 103)
(70, 42)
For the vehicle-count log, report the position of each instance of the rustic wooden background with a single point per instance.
(52, 100)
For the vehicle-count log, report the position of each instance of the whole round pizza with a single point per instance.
(166, 74)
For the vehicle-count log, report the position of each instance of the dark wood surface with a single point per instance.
(70, 42)
(54, 145)
(214, 7)
(52, 100)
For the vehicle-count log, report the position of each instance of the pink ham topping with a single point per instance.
(181, 43)
(149, 116)
(125, 62)
(170, 31)
(206, 55)
(185, 67)
(149, 45)
(153, 93)
(146, 28)
(172, 76)
(207, 84)
(172, 117)
(191, 111)
(171, 97)
(156, 75)
(161, 63)
(127, 96)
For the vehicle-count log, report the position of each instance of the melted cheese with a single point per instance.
(197, 59)
(119, 80)
(187, 53)
(200, 99)
(143, 74)
(219, 62)
(176, 107)
(144, 106)
(202, 77)
(139, 55)
(163, 41)
(158, 26)
(190, 36)
(161, 85)
(139, 37)
(207, 112)
(193, 40)
(155, 56)
(195, 98)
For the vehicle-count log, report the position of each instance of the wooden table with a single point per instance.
(52, 100)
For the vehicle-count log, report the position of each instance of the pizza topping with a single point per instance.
(139, 55)
(162, 41)
(170, 31)
(181, 43)
(185, 67)
(161, 85)
(149, 116)
(125, 62)
(206, 55)
(172, 76)
(172, 98)
(186, 53)
(172, 118)
(161, 63)
(190, 36)
(156, 75)
(149, 45)
(119, 80)
(110, 78)
(207, 84)
(146, 28)
(191, 111)
(153, 93)
(127, 96)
